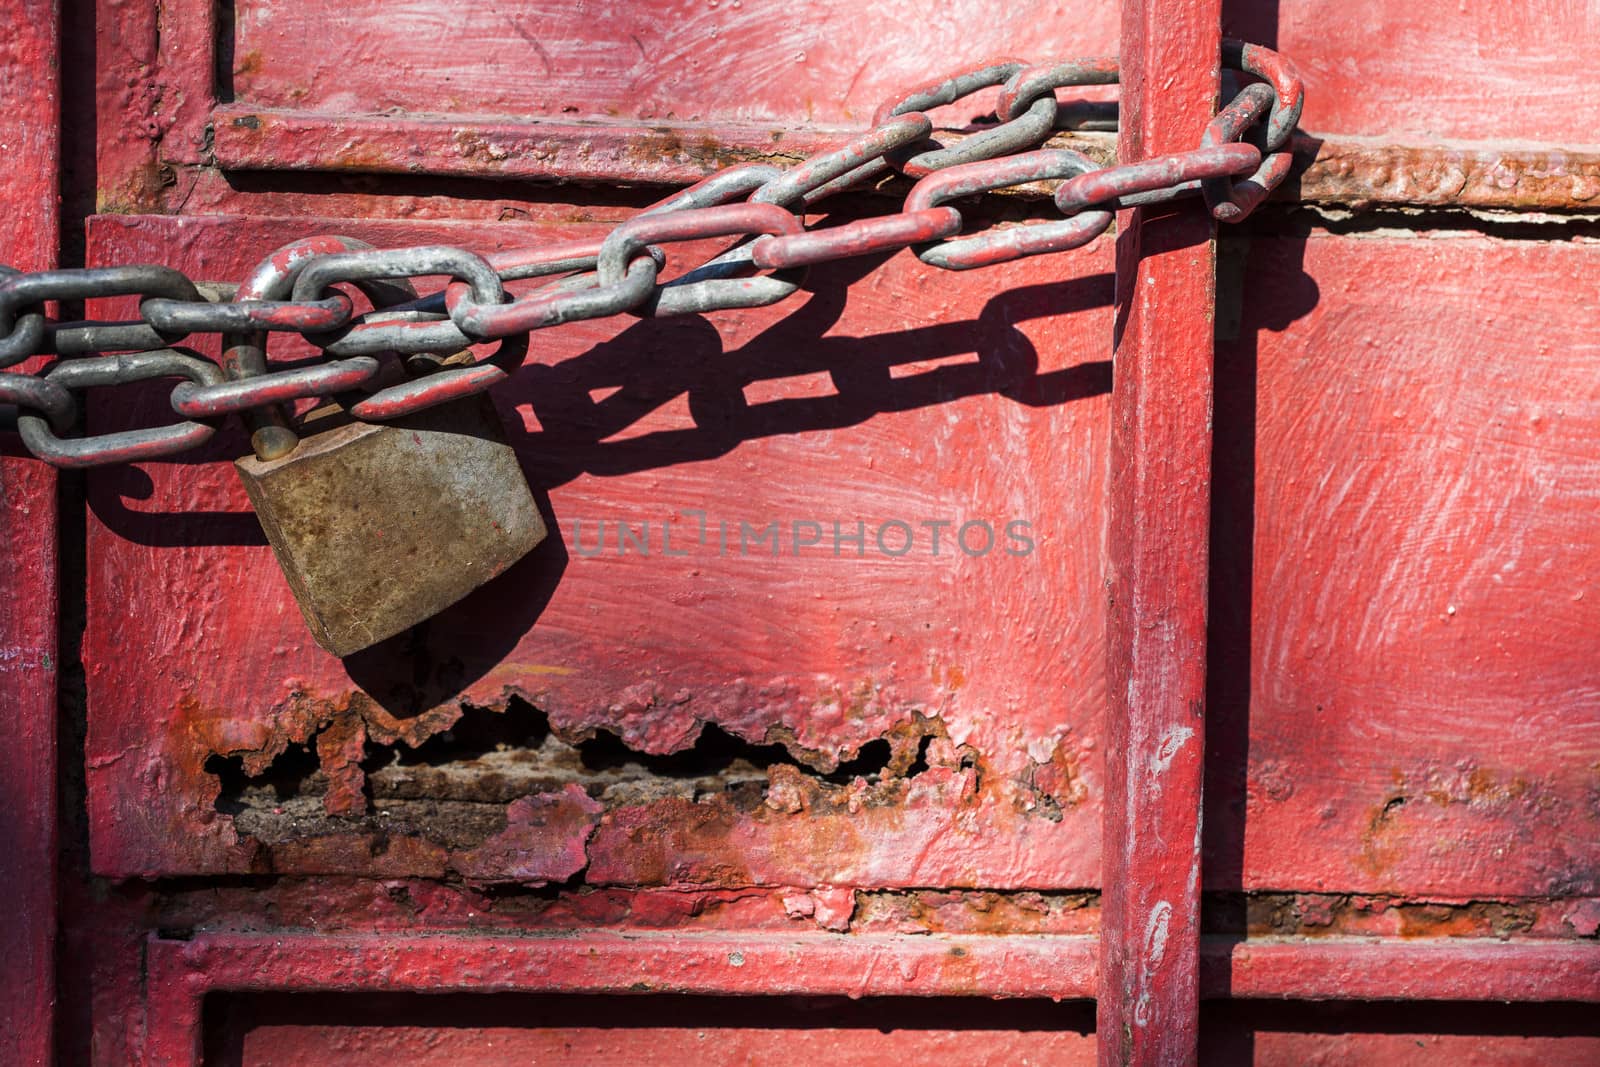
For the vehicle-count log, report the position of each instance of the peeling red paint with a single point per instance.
(545, 840)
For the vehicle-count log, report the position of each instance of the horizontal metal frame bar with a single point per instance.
(1061, 967)
(1328, 171)
(180, 973)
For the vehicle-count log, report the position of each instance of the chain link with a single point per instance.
(1242, 156)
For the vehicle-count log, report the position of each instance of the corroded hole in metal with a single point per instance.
(453, 788)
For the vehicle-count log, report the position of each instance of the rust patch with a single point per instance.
(1054, 785)
(673, 145)
(1412, 806)
(1361, 173)
(498, 794)
(136, 190)
(976, 912)
(545, 840)
(248, 64)
(1379, 849)
(1379, 915)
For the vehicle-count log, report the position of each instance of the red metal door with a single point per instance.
(745, 737)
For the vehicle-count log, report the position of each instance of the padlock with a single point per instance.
(377, 526)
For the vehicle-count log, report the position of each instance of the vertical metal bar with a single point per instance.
(30, 119)
(1160, 491)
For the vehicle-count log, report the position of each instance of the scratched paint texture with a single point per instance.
(1424, 679)
(982, 681)
(1406, 71)
(833, 64)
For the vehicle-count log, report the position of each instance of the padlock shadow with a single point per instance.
(434, 661)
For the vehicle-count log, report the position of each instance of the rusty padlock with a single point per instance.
(376, 526)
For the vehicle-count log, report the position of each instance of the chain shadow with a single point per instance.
(654, 362)
(647, 365)
(577, 434)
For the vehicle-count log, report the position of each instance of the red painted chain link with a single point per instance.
(1241, 158)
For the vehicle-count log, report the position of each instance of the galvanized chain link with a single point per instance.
(1241, 158)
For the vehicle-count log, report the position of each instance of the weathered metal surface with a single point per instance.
(181, 973)
(29, 650)
(1399, 1035)
(1408, 72)
(949, 777)
(285, 108)
(380, 527)
(28, 665)
(1156, 556)
(1370, 969)
(1401, 72)
(1329, 169)
(1376, 767)
(1511, 177)
(514, 1030)
(825, 64)
(1405, 564)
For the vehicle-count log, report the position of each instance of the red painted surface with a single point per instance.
(181, 974)
(29, 116)
(1397, 1035)
(1446, 969)
(1003, 801)
(28, 656)
(827, 64)
(1399, 749)
(1156, 556)
(1407, 72)
(1423, 689)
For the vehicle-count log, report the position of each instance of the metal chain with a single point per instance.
(1241, 158)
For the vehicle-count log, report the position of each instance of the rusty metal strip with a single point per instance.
(1371, 173)
(1329, 171)
(630, 153)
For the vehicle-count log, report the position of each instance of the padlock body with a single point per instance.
(378, 527)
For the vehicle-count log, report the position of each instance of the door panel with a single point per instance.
(737, 712)
(287, 1030)
(1424, 685)
(828, 63)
